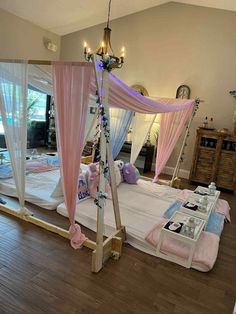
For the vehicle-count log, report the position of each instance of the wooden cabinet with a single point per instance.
(214, 159)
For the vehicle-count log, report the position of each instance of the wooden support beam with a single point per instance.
(45, 225)
(39, 62)
(114, 193)
(97, 256)
(112, 248)
(176, 170)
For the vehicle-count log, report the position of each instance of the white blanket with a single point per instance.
(39, 187)
(141, 206)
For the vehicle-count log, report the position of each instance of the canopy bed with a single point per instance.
(73, 82)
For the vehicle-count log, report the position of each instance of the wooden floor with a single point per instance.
(41, 273)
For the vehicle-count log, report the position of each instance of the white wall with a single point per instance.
(20, 39)
(170, 45)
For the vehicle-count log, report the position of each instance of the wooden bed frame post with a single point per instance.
(113, 245)
(175, 180)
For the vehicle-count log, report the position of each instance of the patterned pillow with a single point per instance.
(83, 191)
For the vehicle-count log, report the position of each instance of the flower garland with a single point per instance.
(102, 121)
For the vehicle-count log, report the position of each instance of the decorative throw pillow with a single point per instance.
(118, 176)
(120, 165)
(58, 191)
(130, 173)
(83, 191)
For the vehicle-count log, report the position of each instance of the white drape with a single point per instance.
(13, 108)
(119, 124)
(40, 77)
(141, 125)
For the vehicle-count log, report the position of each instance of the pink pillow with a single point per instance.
(38, 166)
(93, 181)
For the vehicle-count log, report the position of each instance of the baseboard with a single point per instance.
(170, 170)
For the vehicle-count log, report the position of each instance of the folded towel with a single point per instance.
(172, 209)
(215, 223)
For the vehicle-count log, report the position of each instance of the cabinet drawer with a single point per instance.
(226, 170)
(203, 174)
(206, 156)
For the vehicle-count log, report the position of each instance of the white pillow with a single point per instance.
(117, 173)
(58, 191)
(83, 168)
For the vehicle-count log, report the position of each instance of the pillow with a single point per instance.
(83, 191)
(118, 176)
(130, 173)
(58, 191)
(119, 164)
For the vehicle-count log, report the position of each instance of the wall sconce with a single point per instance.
(50, 45)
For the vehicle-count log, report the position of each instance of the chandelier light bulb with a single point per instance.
(123, 52)
(85, 44)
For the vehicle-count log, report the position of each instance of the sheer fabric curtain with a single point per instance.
(13, 108)
(40, 77)
(142, 124)
(171, 127)
(119, 126)
(71, 83)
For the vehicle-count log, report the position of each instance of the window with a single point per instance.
(36, 107)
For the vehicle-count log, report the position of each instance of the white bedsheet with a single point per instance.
(39, 187)
(141, 206)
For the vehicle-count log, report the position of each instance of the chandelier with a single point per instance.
(105, 51)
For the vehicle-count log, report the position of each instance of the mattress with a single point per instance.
(141, 206)
(38, 189)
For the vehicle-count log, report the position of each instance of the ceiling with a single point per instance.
(67, 16)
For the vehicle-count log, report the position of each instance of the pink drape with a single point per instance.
(124, 97)
(171, 127)
(71, 83)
